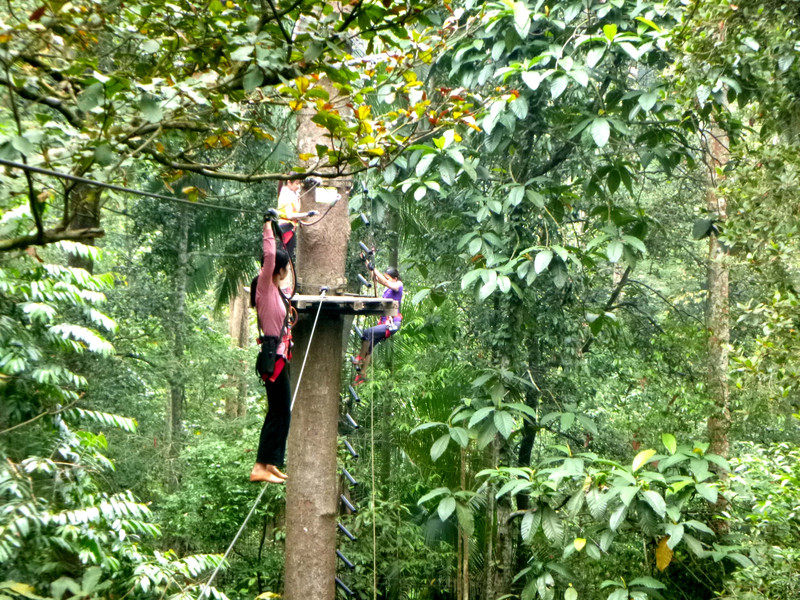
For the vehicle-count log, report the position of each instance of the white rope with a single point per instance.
(305, 358)
(207, 586)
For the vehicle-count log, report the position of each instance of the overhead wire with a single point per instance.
(118, 188)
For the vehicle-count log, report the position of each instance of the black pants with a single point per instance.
(272, 445)
(375, 335)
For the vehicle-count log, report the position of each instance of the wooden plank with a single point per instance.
(350, 305)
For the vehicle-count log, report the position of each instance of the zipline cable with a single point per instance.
(305, 358)
(207, 585)
(126, 190)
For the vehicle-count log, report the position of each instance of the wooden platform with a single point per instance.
(345, 305)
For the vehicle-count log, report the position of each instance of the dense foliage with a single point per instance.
(594, 207)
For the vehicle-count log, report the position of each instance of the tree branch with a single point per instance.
(609, 305)
(53, 103)
(49, 237)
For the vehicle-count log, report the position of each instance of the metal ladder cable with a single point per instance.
(305, 358)
(207, 585)
(372, 465)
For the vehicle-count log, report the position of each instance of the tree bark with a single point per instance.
(718, 307)
(85, 203)
(312, 490)
(177, 382)
(239, 330)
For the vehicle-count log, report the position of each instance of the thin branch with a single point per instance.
(611, 302)
(39, 416)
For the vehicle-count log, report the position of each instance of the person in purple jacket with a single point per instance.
(387, 326)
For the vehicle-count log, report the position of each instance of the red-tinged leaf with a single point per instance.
(38, 13)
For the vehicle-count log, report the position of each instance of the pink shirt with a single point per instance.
(270, 307)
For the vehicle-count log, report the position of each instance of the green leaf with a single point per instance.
(91, 97)
(460, 436)
(252, 79)
(424, 164)
(610, 31)
(618, 517)
(627, 494)
(614, 250)
(571, 594)
(522, 19)
(433, 494)
(656, 502)
(439, 446)
(446, 507)
(242, 53)
(530, 525)
(103, 155)
(647, 582)
(669, 441)
(504, 423)
(420, 296)
(675, 533)
(151, 108)
(648, 100)
(709, 492)
(558, 85)
(594, 55)
(642, 459)
(600, 131)
(532, 79)
(635, 243)
(466, 521)
(519, 106)
(542, 261)
(480, 415)
(22, 145)
(552, 526)
(151, 46)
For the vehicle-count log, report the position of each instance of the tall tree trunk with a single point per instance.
(312, 490)
(177, 381)
(239, 330)
(717, 318)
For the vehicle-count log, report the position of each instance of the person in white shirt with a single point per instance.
(290, 215)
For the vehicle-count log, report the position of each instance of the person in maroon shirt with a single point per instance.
(271, 306)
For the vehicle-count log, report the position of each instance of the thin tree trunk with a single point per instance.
(501, 568)
(239, 330)
(489, 559)
(463, 548)
(717, 318)
(85, 215)
(177, 382)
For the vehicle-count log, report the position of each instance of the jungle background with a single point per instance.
(594, 208)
